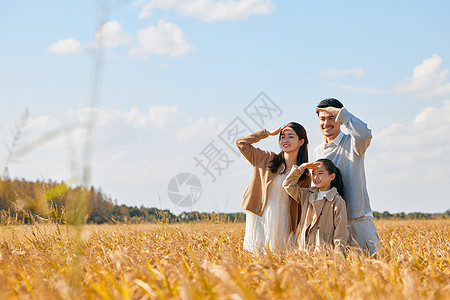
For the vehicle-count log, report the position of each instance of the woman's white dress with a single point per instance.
(271, 230)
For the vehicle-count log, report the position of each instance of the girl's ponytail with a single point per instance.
(338, 183)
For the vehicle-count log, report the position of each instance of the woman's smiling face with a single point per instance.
(289, 140)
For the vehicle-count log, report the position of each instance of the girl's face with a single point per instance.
(289, 140)
(322, 178)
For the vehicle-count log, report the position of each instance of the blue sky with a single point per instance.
(177, 73)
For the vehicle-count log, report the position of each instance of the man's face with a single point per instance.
(328, 125)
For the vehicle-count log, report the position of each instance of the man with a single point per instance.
(347, 153)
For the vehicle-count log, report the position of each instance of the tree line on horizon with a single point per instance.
(23, 201)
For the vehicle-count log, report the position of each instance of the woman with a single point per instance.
(272, 215)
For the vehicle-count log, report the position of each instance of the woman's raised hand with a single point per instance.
(277, 131)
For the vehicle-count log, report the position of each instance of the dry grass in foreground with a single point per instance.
(206, 261)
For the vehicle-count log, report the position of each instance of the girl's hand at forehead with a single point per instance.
(277, 131)
(309, 165)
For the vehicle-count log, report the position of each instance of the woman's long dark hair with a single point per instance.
(337, 182)
(302, 155)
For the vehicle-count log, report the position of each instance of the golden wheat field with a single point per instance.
(206, 261)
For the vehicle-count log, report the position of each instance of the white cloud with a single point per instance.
(335, 73)
(163, 39)
(408, 162)
(65, 46)
(111, 35)
(202, 128)
(429, 79)
(362, 90)
(210, 10)
(162, 116)
(43, 122)
(414, 142)
(157, 116)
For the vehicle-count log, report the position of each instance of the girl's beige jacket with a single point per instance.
(255, 197)
(323, 223)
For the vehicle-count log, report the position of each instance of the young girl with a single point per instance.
(323, 221)
(271, 214)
